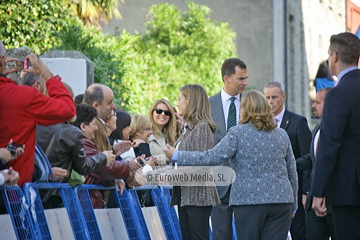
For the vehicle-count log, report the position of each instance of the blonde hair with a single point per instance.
(169, 130)
(138, 124)
(255, 110)
(197, 106)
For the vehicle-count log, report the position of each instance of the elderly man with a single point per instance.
(22, 108)
(300, 137)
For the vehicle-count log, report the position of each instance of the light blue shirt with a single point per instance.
(345, 71)
(175, 156)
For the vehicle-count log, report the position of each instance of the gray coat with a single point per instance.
(196, 138)
(262, 160)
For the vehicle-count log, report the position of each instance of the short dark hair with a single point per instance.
(324, 71)
(347, 46)
(79, 98)
(123, 120)
(96, 95)
(30, 78)
(84, 114)
(228, 67)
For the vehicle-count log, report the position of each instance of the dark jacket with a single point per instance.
(307, 162)
(337, 169)
(63, 145)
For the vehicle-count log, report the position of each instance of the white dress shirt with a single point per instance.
(279, 117)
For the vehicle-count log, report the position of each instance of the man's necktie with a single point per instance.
(277, 122)
(231, 121)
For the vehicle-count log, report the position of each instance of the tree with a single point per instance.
(177, 49)
(92, 12)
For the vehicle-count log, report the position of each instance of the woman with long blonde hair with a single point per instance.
(163, 125)
(197, 134)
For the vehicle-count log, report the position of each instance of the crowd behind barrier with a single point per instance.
(77, 219)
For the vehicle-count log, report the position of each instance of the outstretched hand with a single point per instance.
(169, 152)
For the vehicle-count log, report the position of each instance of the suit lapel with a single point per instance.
(285, 120)
(219, 114)
(316, 129)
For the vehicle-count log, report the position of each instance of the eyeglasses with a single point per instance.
(160, 111)
(148, 129)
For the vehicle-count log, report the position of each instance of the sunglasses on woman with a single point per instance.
(160, 111)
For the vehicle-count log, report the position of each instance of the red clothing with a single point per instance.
(104, 176)
(22, 108)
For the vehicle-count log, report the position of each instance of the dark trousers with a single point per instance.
(319, 228)
(346, 222)
(297, 228)
(194, 222)
(262, 221)
(221, 219)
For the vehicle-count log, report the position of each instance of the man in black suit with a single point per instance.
(317, 228)
(234, 75)
(337, 168)
(300, 137)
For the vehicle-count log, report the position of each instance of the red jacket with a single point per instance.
(22, 108)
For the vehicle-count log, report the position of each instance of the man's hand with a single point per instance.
(319, 206)
(303, 200)
(7, 70)
(5, 155)
(59, 173)
(169, 152)
(120, 185)
(14, 177)
(121, 147)
(134, 165)
(110, 157)
(38, 67)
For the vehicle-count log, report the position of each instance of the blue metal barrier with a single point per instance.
(16, 206)
(162, 207)
(70, 202)
(122, 201)
(166, 193)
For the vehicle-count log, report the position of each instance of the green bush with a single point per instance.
(32, 23)
(178, 48)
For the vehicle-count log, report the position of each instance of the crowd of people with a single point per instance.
(287, 179)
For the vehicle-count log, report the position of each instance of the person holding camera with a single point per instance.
(22, 108)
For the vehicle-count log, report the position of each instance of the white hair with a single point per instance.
(2, 49)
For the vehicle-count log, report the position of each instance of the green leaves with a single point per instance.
(178, 48)
(25, 24)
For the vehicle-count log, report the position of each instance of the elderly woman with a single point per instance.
(264, 193)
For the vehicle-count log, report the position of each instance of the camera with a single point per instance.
(11, 147)
(21, 64)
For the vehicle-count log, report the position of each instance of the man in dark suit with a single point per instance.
(300, 137)
(337, 168)
(225, 111)
(317, 228)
